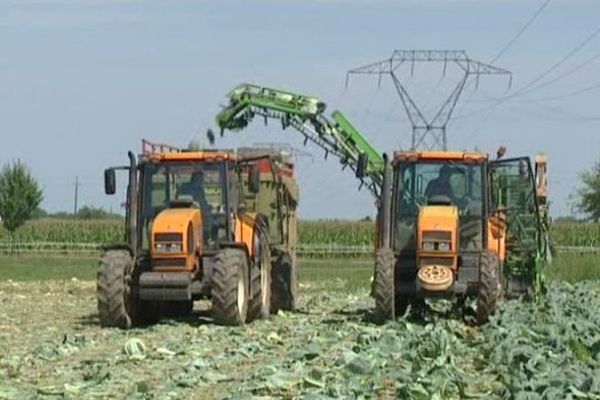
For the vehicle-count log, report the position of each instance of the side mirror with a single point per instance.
(254, 179)
(110, 181)
(361, 165)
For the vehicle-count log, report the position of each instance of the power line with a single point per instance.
(520, 32)
(557, 114)
(548, 83)
(527, 88)
(570, 94)
(544, 74)
(565, 74)
(566, 116)
(497, 57)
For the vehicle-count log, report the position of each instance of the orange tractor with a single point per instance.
(218, 225)
(457, 223)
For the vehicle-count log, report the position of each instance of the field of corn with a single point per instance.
(321, 232)
(573, 234)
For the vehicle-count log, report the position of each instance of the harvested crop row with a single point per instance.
(329, 350)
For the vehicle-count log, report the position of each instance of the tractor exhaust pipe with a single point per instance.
(386, 204)
(132, 195)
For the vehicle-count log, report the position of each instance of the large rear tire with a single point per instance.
(284, 284)
(117, 304)
(490, 286)
(384, 286)
(260, 279)
(230, 287)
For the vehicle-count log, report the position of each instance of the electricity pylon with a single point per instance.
(429, 133)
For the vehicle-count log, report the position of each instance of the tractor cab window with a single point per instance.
(181, 184)
(438, 183)
(513, 191)
(512, 185)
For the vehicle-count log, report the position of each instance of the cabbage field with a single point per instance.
(51, 347)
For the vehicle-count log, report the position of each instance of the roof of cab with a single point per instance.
(440, 156)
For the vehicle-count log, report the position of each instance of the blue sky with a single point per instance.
(82, 82)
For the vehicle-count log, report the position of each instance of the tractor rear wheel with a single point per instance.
(490, 286)
(384, 287)
(284, 283)
(230, 287)
(260, 279)
(117, 304)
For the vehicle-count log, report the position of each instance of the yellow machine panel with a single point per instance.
(173, 232)
(497, 237)
(438, 234)
(437, 239)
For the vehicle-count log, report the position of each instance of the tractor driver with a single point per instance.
(195, 189)
(440, 186)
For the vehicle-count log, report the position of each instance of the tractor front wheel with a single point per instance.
(490, 286)
(384, 287)
(117, 304)
(230, 287)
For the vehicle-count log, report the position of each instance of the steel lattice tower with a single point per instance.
(430, 133)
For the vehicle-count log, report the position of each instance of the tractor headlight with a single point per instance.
(444, 246)
(428, 246)
(168, 247)
(436, 246)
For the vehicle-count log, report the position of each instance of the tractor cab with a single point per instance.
(204, 185)
(428, 185)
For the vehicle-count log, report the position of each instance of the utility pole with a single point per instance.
(76, 193)
(429, 133)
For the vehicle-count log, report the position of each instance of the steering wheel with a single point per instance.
(440, 199)
(463, 207)
(420, 200)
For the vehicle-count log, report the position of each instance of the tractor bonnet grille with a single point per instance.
(437, 236)
(168, 237)
(444, 261)
(178, 262)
